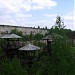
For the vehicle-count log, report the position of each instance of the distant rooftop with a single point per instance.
(11, 36)
(52, 36)
(29, 47)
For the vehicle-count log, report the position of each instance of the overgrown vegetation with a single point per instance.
(8, 67)
(60, 62)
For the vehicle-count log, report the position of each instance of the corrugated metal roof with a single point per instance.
(11, 36)
(29, 47)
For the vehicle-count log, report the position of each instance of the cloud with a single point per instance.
(69, 17)
(16, 11)
(69, 22)
(50, 15)
(21, 12)
(8, 6)
(23, 15)
(15, 19)
(42, 4)
(27, 5)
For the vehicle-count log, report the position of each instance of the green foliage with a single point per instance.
(67, 33)
(32, 37)
(38, 36)
(63, 57)
(25, 38)
(13, 67)
(59, 23)
(61, 62)
(15, 31)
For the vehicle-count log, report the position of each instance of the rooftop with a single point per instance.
(11, 36)
(29, 47)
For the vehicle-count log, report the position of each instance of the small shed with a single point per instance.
(48, 43)
(52, 36)
(10, 44)
(28, 51)
(49, 39)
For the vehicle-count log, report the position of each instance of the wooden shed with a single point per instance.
(28, 51)
(11, 44)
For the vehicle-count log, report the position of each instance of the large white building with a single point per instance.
(25, 30)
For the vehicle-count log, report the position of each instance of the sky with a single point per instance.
(34, 13)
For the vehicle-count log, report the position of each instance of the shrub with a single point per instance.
(13, 67)
(61, 61)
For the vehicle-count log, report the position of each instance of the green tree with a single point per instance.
(59, 27)
(31, 36)
(61, 62)
(13, 67)
(45, 27)
(38, 36)
(15, 31)
(38, 27)
(59, 23)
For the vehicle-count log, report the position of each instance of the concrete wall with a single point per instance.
(25, 30)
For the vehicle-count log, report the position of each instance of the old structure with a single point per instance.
(25, 30)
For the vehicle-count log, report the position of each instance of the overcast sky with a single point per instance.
(34, 13)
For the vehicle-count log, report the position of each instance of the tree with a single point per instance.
(58, 28)
(38, 36)
(45, 27)
(15, 31)
(31, 35)
(59, 23)
(38, 27)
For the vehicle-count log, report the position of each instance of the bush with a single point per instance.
(13, 67)
(61, 62)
